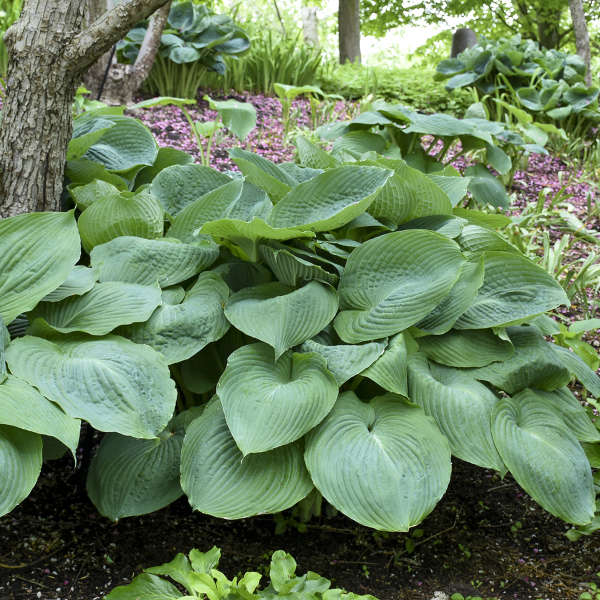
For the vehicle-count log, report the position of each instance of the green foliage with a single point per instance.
(334, 327)
(272, 59)
(193, 43)
(198, 574)
(415, 88)
(546, 84)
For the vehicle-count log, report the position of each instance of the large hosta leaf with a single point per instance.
(180, 185)
(137, 260)
(137, 215)
(20, 465)
(4, 341)
(281, 316)
(270, 403)
(330, 199)
(346, 360)
(130, 477)
(104, 308)
(466, 348)
(384, 464)
(79, 281)
(393, 281)
(24, 407)
(112, 383)
(180, 328)
(219, 481)
(544, 457)
(513, 288)
(146, 586)
(579, 369)
(461, 406)
(37, 253)
(533, 364)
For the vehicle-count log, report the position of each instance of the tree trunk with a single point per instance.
(310, 26)
(125, 80)
(582, 38)
(462, 39)
(349, 30)
(548, 26)
(94, 76)
(48, 52)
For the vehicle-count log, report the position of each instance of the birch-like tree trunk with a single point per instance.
(349, 30)
(49, 50)
(582, 38)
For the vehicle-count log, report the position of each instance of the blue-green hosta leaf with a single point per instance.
(137, 215)
(248, 234)
(514, 288)
(409, 194)
(130, 477)
(146, 586)
(455, 187)
(393, 281)
(138, 260)
(20, 465)
(86, 132)
(314, 157)
(178, 186)
(390, 369)
(263, 173)
(24, 407)
(461, 406)
(446, 126)
(346, 360)
(37, 253)
(533, 364)
(299, 173)
(498, 159)
(127, 145)
(238, 117)
(359, 142)
(85, 195)
(104, 308)
(83, 171)
(446, 225)
(475, 238)
(443, 317)
(280, 315)
(384, 464)
(166, 157)
(112, 383)
(181, 328)
(466, 348)
(270, 403)
(4, 341)
(79, 281)
(485, 188)
(294, 270)
(221, 482)
(571, 411)
(331, 199)
(579, 369)
(544, 457)
(240, 274)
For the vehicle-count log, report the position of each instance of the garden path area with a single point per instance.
(485, 538)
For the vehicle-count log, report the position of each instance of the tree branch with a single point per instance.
(87, 46)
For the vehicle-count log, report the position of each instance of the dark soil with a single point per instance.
(485, 538)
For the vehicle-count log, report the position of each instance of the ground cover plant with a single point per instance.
(393, 298)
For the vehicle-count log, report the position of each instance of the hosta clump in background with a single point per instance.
(338, 327)
(198, 575)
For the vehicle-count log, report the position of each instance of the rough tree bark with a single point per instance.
(310, 26)
(349, 30)
(92, 78)
(582, 38)
(48, 53)
(462, 39)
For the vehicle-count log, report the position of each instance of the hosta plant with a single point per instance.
(194, 42)
(197, 573)
(334, 328)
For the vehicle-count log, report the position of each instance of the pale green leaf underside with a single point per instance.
(37, 253)
(130, 476)
(138, 260)
(513, 288)
(331, 199)
(181, 329)
(79, 281)
(22, 406)
(270, 403)
(20, 465)
(281, 316)
(112, 383)
(105, 307)
(544, 457)
(393, 281)
(220, 482)
(462, 408)
(384, 464)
